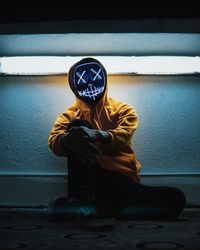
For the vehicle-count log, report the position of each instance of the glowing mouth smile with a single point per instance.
(91, 91)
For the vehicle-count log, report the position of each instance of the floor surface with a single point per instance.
(35, 231)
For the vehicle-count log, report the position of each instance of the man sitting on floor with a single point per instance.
(103, 171)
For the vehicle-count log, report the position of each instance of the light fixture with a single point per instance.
(137, 65)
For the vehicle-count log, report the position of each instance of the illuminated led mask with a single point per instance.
(89, 81)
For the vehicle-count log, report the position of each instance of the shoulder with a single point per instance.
(70, 113)
(119, 106)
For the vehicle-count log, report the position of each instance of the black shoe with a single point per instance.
(91, 215)
(63, 208)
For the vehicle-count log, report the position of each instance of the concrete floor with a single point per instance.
(33, 230)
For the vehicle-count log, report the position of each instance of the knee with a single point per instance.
(176, 196)
(80, 122)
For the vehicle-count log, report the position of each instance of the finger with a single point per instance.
(74, 132)
(77, 130)
(83, 131)
(75, 137)
(85, 141)
(80, 140)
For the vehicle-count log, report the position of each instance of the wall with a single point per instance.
(166, 141)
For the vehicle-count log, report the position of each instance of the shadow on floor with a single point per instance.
(31, 229)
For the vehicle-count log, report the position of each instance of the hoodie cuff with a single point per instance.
(111, 136)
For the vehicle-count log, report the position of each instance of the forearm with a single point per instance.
(55, 146)
(120, 138)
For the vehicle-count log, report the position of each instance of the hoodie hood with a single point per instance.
(88, 81)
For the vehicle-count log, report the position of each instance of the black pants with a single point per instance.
(125, 198)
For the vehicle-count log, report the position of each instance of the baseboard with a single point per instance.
(23, 189)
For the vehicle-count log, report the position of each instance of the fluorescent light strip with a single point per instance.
(141, 65)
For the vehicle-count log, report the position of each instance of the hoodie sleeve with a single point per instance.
(126, 125)
(59, 128)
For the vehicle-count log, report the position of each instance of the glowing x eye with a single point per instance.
(80, 77)
(96, 74)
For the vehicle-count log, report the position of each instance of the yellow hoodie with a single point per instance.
(118, 119)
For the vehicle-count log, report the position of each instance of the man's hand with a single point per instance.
(79, 142)
(92, 135)
(84, 132)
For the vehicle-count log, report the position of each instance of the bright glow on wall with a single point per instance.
(141, 65)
